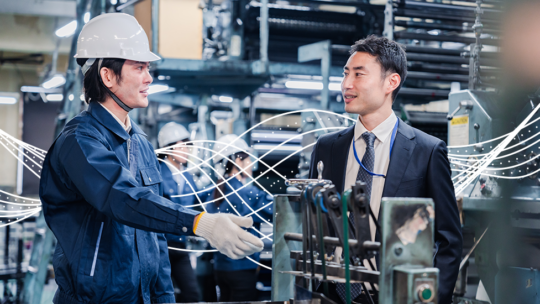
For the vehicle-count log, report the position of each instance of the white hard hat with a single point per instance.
(172, 133)
(230, 144)
(114, 35)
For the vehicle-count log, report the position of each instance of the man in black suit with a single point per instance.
(396, 160)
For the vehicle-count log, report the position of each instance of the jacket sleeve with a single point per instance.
(262, 206)
(163, 291)
(448, 237)
(314, 159)
(98, 175)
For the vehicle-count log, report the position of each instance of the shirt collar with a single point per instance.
(382, 131)
(101, 114)
(126, 126)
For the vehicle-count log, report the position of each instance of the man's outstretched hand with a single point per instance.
(224, 232)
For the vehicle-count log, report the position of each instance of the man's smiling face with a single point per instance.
(364, 86)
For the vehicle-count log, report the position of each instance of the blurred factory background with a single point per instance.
(229, 65)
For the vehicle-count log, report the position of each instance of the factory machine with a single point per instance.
(311, 226)
(494, 147)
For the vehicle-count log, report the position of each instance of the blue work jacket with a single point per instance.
(257, 199)
(101, 192)
(171, 189)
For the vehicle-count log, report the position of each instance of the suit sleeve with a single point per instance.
(163, 291)
(448, 237)
(314, 159)
(98, 175)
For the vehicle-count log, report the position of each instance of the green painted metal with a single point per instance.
(344, 200)
(398, 247)
(287, 218)
(318, 203)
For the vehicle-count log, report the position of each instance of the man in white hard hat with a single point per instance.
(101, 185)
(237, 278)
(179, 187)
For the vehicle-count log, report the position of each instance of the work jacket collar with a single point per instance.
(107, 120)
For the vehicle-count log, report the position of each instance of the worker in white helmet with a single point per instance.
(177, 181)
(101, 185)
(237, 195)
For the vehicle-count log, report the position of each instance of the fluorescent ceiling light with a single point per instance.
(113, 2)
(156, 88)
(68, 29)
(54, 82)
(34, 89)
(86, 17)
(311, 85)
(334, 86)
(276, 148)
(305, 85)
(81, 97)
(225, 99)
(55, 97)
(8, 100)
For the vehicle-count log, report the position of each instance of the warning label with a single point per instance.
(458, 133)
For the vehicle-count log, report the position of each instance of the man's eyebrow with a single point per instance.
(354, 68)
(141, 62)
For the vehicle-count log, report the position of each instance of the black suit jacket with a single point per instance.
(419, 167)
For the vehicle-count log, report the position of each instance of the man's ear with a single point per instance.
(108, 77)
(393, 82)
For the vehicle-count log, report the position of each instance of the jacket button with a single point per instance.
(150, 179)
(184, 229)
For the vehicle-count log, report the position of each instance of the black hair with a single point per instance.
(390, 54)
(162, 156)
(231, 163)
(93, 88)
(218, 197)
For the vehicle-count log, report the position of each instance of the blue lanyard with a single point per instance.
(392, 140)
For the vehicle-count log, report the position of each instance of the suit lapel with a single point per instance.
(401, 155)
(340, 154)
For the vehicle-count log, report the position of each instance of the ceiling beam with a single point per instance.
(55, 8)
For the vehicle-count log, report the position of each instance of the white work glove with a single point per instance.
(223, 232)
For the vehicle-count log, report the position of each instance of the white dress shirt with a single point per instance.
(383, 133)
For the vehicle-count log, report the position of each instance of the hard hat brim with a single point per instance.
(147, 57)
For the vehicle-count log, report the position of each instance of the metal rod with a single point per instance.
(375, 221)
(466, 258)
(436, 68)
(155, 26)
(388, 28)
(326, 63)
(436, 76)
(321, 243)
(436, 58)
(368, 245)
(428, 37)
(304, 244)
(311, 255)
(445, 7)
(368, 296)
(346, 249)
(263, 31)
(440, 26)
(423, 92)
(431, 15)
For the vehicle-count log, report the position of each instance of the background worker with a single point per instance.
(396, 160)
(237, 278)
(101, 185)
(177, 181)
